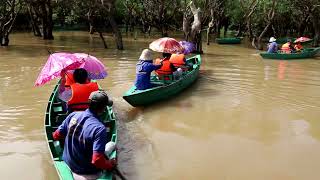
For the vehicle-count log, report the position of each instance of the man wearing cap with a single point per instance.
(272, 46)
(85, 139)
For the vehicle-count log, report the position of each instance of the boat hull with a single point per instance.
(307, 53)
(163, 91)
(228, 40)
(54, 116)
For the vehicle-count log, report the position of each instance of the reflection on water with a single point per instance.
(245, 118)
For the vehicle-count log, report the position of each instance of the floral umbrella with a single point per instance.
(188, 47)
(95, 68)
(166, 45)
(302, 39)
(55, 64)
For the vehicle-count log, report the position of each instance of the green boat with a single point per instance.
(306, 53)
(55, 114)
(234, 40)
(164, 88)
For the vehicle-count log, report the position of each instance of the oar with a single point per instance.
(118, 173)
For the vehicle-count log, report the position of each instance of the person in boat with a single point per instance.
(298, 47)
(167, 67)
(85, 139)
(272, 46)
(288, 47)
(180, 64)
(77, 94)
(143, 70)
(179, 61)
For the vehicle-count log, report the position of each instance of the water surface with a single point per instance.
(245, 117)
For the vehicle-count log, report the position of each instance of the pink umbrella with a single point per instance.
(166, 45)
(55, 64)
(95, 68)
(302, 39)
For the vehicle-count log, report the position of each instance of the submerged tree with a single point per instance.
(8, 13)
(41, 11)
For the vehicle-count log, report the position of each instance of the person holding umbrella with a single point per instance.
(77, 95)
(167, 67)
(167, 46)
(298, 46)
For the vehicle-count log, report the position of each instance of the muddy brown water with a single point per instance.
(244, 118)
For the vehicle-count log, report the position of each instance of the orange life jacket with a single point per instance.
(178, 60)
(69, 79)
(286, 48)
(80, 95)
(165, 68)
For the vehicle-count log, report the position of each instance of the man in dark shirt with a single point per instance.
(85, 138)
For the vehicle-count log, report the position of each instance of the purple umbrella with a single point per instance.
(188, 47)
(95, 68)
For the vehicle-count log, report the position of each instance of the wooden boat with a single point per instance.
(306, 53)
(164, 88)
(55, 114)
(234, 40)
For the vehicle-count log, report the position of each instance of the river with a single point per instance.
(244, 118)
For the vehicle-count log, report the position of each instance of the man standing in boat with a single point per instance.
(85, 139)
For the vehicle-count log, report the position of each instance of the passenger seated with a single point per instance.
(167, 67)
(143, 70)
(298, 47)
(288, 47)
(77, 94)
(179, 61)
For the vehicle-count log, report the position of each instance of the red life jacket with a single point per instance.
(80, 95)
(165, 68)
(178, 61)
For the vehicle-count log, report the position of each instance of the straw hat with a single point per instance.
(146, 55)
(272, 39)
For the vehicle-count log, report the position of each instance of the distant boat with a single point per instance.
(306, 53)
(233, 40)
(55, 114)
(165, 88)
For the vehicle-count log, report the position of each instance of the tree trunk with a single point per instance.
(316, 27)
(34, 25)
(103, 40)
(239, 33)
(116, 32)
(196, 28)
(49, 21)
(4, 40)
(186, 27)
(44, 21)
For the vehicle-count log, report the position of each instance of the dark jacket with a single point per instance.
(143, 71)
